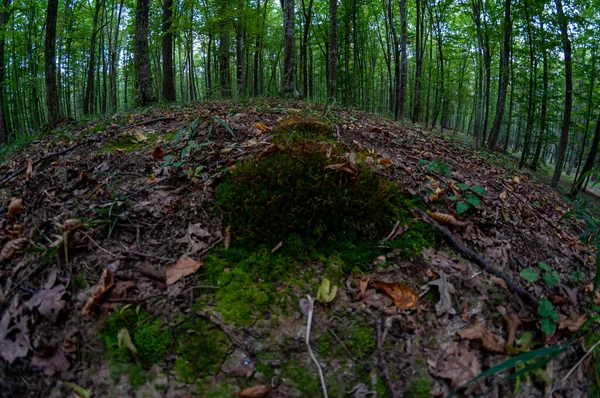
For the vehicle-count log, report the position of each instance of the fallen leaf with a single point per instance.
(183, 267)
(512, 322)
(499, 282)
(157, 153)
(260, 126)
(11, 248)
(446, 290)
(48, 302)
(29, 171)
(489, 340)
(55, 362)
(502, 196)
(460, 365)
(69, 225)
(124, 340)
(13, 231)
(107, 280)
(120, 290)
(558, 299)
(443, 218)
(14, 340)
(404, 297)
(572, 325)
(259, 391)
(15, 207)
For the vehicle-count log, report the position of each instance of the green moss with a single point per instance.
(360, 338)
(420, 387)
(200, 349)
(129, 142)
(151, 342)
(79, 281)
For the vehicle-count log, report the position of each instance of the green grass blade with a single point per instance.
(218, 119)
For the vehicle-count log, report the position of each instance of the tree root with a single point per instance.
(470, 254)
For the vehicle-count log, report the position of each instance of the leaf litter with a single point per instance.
(165, 213)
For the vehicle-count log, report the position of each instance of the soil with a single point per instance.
(140, 212)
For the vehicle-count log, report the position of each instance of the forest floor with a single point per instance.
(147, 255)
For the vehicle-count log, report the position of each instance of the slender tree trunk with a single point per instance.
(144, 94)
(240, 77)
(88, 102)
(503, 75)
(589, 163)
(543, 114)
(168, 78)
(403, 61)
(4, 126)
(564, 136)
(590, 101)
(114, 104)
(420, 26)
(288, 87)
(531, 92)
(332, 55)
(52, 99)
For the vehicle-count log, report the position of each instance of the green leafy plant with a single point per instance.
(472, 198)
(552, 278)
(188, 146)
(326, 293)
(549, 316)
(437, 166)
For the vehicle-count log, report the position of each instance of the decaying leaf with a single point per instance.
(446, 290)
(512, 323)
(260, 126)
(11, 248)
(70, 225)
(259, 391)
(48, 302)
(157, 153)
(404, 297)
(502, 196)
(460, 365)
(107, 280)
(14, 339)
(15, 207)
(572, 325)
(120, 290)
(500, 283)
(185, 266)
(29, 171)
(227, 237)
(443, 218)
(55, 361)
(489, 340)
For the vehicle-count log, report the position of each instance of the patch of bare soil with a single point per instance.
(119, 218)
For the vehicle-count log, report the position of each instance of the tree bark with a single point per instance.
(589, 163)
(52, 99)
(4, 14)
(288, 88)
(88, 102)
(420, 26)
(564, 136)
(403, 61)
(332, 54)
(503, 75)
(144, 94)
(168, 77)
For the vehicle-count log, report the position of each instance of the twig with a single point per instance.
(235, 338)
(96, 243)
(210, 247)
(51, 155)
(477, 259)
(382, 362)
(394, 231)
(587, 354)
(311, 307)
(134, 253)
(160, 119)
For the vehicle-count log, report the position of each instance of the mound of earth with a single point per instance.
(188, 252)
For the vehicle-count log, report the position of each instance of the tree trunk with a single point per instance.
(288, 87)
(168, 78)
(589, 163)
(240, 66)
(420, 26)
(88, 102)
(503, 75)
(564, 136)
(531, 93)
(4, 129)
(52, 99)
(144, 95)
(542, 132)
(403, 61)
(332, 54)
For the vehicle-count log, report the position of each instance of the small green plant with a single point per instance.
(326, 293)
(188, 146)
(549, 316)
(437, 166)
(576, 276)
(552, 278)
(472, 199)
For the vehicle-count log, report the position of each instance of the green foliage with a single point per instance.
(130, 142)
(530, 275)
(472, 199)
(437, 166)
(549, 316)
(576, 276)
(419, 387)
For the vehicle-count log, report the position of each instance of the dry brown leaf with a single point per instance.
(48, 302)
(572, 325)
(443, 218)
(157, 153)
(512, 322)
(502, 196)
(54, 362)
(404, 297)
(460, 365)
(499, 282)
(489, 340)
(69, 225)
(120, 290)
(227, 237)
(13, 231)
(183, 267)
(260, 126)
(259, 391)
(11, 248)
(558, 299)
(107, 280)
(446, 290)
(15, 207)
(29, 171)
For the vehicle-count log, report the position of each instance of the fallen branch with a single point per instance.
(382, 362)
(50, 155)
(160, 119)
(477, 259)
(311, 307)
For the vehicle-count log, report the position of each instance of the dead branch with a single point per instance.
(470, 254)
(160, 119)
(382, 361)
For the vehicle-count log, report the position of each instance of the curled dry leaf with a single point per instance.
(15, 207)
(500, 283)
(183, 267)
(14, 337)
(443, 218)
(157, 153)
(572, 325)
(107, 280)
(446, 291)
(460, 365)
(512, 323)
(55, 362)
(259, 391)
(502, 196)
(260, 126)
(11, 248)
(489, 340)
(69, 225)
(29, 171)
(48, 302)
(404, 297)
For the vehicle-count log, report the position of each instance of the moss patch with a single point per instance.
(130, 142)
(420, 387)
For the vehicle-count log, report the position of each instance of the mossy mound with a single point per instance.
(311, 189)
(130, 142)
(300, 128)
